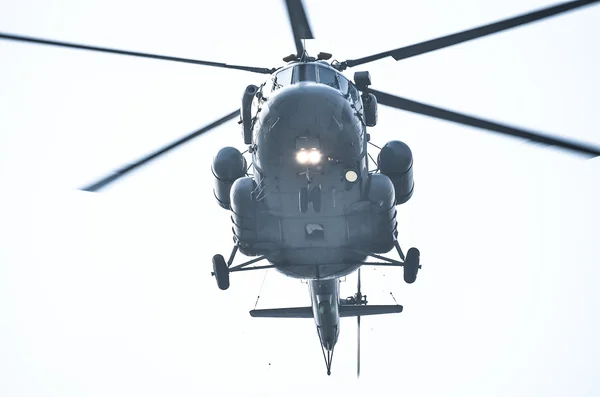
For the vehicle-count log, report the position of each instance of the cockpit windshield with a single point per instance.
(328, 77)
(304, 72)
(310, 72)
(283, 78)
(317, 73)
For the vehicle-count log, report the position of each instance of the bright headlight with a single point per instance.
(312, 156)
(302, 156)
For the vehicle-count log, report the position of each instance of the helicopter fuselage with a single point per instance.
(311, 206)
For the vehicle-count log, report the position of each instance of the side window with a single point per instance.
(328, 77)
(343, 84)
(304, 73)
(353, 93)
(283, 78)
(355, 96)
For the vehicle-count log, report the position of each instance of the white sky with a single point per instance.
(111, 294)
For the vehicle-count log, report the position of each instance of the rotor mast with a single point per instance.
(299, 23)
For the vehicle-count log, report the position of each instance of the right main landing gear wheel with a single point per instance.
(411, 265)
(221, 271)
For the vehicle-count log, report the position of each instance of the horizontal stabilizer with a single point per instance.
(345, 311)
(288, 312)
(353, 311)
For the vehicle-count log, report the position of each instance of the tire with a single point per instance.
(303, 199)
(315, 197)
(221, 271)
(411, 265)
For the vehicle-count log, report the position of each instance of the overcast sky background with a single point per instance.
(111, 294)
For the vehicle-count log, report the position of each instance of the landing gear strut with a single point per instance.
(410, 263)
(222, 268)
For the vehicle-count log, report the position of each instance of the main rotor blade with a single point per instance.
(471, 34)
(299, 22)
(439, 113)
(128, 168)
(36, 40)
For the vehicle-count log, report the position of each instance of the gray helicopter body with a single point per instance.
(311, 206)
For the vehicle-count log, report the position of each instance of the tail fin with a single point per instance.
(360, 310)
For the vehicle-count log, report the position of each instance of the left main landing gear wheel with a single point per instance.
(315, 197)
(411, 265)
(221, 271)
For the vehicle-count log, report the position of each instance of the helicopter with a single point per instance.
(311, 207)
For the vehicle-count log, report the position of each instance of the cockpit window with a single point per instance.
(343, 84)
(354, 93)
(328, 77)
(317, 74)
(306, 72)
(283, 78)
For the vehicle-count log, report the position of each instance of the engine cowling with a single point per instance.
(383, 213)
(396, 162)
(228, 166)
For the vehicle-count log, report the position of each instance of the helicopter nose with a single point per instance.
(310, 105)
(308, 116)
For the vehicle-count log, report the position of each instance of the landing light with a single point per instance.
(302, 156)
(351, 176)
(312, 156)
